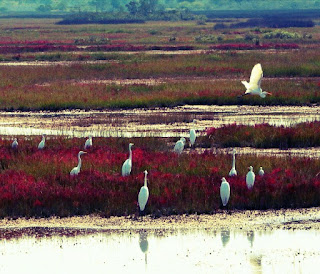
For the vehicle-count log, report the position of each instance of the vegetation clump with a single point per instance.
(37, 183)
(265, 136)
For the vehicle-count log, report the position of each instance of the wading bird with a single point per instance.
(233, 171)
(14, 143)
(88, 142)
(179, 146)
(253, 87)
(224, 191)
(76, 170)
(193, 135)
(261, 171)
(127, 165)
(43, 142)
(250, 178)
(143, 193)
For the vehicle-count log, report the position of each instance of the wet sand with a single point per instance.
(246, 220)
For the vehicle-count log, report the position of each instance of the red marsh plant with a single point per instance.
(37, 183)
(265, 136)
(244, 46)
(31, 93)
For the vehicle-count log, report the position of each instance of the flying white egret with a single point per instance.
(193, 135)
(250, 178)
(253, 87)
(261, 171)
(43, 142)
(179, 146)
(224, 191)
(88, 142)
(143, 193)
(76, 170)
(127, 165)
(233, 171)
(14, 143)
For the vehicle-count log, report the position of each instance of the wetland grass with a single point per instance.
(265, 136)
(37, 183)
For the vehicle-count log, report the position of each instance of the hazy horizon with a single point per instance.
(45, 6)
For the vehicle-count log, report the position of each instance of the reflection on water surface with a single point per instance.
(152, 251)
(160, 122)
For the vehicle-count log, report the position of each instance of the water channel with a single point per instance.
(158, 122)
(164, 251)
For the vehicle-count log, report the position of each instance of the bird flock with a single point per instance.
(253, 88)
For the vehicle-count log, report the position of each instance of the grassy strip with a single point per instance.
(69, 95)
(265, 136)
(300, 63)
(37, 183)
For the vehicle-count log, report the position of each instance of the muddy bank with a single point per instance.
(302, 219)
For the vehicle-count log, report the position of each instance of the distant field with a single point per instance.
(128, 52)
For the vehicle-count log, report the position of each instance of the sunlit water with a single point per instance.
(160, 122)
(201, 251)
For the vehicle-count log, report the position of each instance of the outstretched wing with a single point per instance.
(256, 76)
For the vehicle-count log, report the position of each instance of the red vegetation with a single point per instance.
(253, 46)
(266, 136)
(47, 46)
(37, 183)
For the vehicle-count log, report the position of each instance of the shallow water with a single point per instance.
(159, 122)
(164, 251)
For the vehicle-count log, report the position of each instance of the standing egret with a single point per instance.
(253, 87)
(224, 191)
(193, 135)
(143, 193)
(43, 142)
(127, 165)
(179, 146)
(233, 171)
(250, 178)
(88, 142)
(261, 171)
(14, 143)
(76, 170)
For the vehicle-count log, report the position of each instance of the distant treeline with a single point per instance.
(284, 14)
(75, 21)
(126, 18)
(269, 23)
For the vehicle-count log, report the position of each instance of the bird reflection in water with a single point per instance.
(225, 237)
(250, 237)
(255, 261)
(143, 242)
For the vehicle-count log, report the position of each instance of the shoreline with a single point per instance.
(247, 220)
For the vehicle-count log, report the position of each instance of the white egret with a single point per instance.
(76, 170)
(253, 87)
(43, 142)
(193, 135)
(179, 146)
(143, 193)
(127, 165)
(261, 171)
(88, 142)
(224, 191)
(14, 143)
(233, 171)
(250, 178)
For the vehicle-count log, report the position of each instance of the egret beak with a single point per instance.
(240, 96)
(269, 93)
